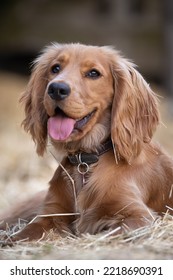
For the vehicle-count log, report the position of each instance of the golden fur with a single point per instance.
(130, 184)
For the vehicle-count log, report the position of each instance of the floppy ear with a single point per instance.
(35, 120)
(134, 111)
(36, 117)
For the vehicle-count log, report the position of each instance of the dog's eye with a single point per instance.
(56, 68)
(94, 74)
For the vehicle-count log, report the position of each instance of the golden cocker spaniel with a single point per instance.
(96, 110)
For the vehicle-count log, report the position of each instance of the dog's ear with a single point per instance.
(35, 121)
(134, 111)
(36, 117)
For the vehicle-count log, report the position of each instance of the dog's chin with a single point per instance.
(79, 133)
(63, 128)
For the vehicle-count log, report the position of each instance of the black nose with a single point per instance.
(58, 91)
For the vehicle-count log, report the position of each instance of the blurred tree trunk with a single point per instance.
(168, 33)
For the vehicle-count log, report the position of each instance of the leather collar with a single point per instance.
(90, 158)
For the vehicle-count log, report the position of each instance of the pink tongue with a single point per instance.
(60, 127)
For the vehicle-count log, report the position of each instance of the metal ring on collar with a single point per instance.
(83, 168)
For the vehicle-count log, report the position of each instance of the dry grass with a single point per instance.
(155, 242)
(22, 173)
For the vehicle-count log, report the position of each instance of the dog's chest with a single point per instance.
(78, 182)
(82, 179)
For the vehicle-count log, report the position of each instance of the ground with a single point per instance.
(23, 173)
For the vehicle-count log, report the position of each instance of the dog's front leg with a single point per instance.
(115, 216)
(57, 211)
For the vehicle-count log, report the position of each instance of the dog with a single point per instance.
(92, 106)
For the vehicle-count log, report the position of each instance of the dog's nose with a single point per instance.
(58, 91)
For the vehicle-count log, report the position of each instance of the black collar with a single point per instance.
(90, 158)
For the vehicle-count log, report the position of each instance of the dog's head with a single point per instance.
(81, 95)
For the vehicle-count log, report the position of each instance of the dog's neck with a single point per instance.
(89, 158)
(76, 156)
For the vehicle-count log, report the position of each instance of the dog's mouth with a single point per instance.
(61, 126)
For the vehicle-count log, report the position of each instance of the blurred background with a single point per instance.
(141, 29)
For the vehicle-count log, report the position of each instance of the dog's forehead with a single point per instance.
(82, 54)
